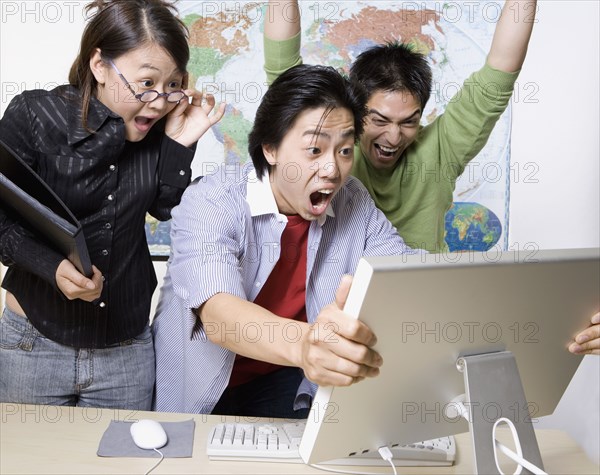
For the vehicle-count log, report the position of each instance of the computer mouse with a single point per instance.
(148, 434)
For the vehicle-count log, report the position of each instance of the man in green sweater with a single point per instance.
(410, 170)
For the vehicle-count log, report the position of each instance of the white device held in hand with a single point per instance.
(148, 434)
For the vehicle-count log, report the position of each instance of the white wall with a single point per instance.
(554, 196)
(38, 42)
(557, 137)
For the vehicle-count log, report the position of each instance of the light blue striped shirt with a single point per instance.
(225, 237)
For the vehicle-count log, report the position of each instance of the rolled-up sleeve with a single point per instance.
(281, 56)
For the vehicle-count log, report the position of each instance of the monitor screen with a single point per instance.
(429, 310)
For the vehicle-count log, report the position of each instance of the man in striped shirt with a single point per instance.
(250, 318)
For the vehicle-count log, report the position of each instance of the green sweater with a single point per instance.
(416, 194)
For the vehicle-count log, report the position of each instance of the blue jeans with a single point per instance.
(270, 395)
(37, 370)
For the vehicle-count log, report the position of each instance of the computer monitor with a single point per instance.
(429, 310)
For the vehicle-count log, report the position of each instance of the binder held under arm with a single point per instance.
(24, 192)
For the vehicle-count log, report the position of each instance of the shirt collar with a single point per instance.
(98, 114)
(261, 199)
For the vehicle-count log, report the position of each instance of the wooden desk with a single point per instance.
(49, 439)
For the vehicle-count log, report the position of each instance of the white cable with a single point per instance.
(157, 463)
(457, 409)
(386, 454)
(516, 457)
(523, 463)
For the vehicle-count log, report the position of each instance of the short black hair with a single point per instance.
(393, 67)
(298, 89)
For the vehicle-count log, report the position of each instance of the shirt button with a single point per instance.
(110, 197)
(112, 168)
(182, 172)
(102, 305)
(104, 252)
(107, 225)
(257, 284)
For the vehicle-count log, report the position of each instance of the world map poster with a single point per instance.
(226, 41)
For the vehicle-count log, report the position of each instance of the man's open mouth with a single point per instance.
(387, 152)
(320, 199)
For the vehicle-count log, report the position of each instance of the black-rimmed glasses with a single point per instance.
(152, 95)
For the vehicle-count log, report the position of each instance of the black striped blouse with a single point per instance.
(109, 184)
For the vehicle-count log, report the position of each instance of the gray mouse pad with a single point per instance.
(117, 442)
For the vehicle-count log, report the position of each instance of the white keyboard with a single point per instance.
(279, 442)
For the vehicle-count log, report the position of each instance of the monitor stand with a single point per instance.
(494, 392)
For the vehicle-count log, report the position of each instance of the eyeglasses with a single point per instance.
(152, 95)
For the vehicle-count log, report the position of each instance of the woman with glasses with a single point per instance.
(115, 143)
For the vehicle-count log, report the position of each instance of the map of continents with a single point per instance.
(227, 61)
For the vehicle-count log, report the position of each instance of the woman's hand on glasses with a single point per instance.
(192, 117)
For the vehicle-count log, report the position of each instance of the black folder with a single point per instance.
(43, 212)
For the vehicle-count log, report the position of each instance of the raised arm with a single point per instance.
(475, 111)
(281, 37)
(513, 30)
(282, 20)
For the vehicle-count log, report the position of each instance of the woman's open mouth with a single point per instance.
(143, 124)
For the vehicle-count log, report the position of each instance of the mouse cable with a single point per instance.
(162, 457)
